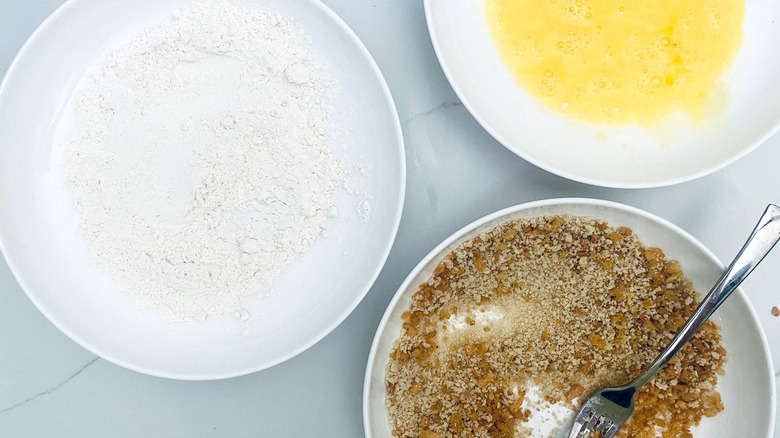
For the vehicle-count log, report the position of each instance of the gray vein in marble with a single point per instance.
(442, 106)
(50, 390)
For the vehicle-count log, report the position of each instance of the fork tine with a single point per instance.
(584, 427)
(579, 422)
(603, 427)
(575, 429)
(594, 420)
(611, 431)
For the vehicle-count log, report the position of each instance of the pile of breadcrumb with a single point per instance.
(565, 305)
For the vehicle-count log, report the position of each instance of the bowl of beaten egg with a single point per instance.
(616, 94)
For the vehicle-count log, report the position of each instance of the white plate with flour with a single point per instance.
(54, 260)
(748, 387)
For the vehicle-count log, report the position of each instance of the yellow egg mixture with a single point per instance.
(607, 61)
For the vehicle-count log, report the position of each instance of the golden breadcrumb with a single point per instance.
(565, 304)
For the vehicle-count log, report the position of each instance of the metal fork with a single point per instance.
(608, 408)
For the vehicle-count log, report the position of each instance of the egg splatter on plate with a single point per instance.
(606, 61)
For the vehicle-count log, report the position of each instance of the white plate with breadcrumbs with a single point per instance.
(624, 156)
(41, 235)
(748, 386)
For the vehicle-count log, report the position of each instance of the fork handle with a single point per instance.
(761, 241)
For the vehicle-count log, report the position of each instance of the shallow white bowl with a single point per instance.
(39, 233)
(747, 389)
(611, 156)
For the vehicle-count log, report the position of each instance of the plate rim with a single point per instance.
(752, 315)
(399, 150)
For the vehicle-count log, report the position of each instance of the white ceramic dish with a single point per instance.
(611, 156)
(39, 234)
(748, 388)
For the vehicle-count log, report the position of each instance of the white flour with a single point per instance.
(199, 166)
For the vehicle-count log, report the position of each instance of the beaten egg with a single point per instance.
(606, 61)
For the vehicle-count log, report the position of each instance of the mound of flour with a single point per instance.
(199, 165)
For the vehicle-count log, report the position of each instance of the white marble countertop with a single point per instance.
(49, 386)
